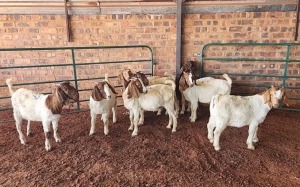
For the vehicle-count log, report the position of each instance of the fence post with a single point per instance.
(75, 75)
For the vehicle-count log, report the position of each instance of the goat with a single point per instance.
(103, 99)
(188, 67)
(165, 80)
(137, 98)
(124, 79)
(39, 107)
(238, 111)
(203, 92)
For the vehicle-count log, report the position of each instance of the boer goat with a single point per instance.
(138, 98)
(188, 67)
(238, 111)
(39, 107)
(103, 99)
(202, 92)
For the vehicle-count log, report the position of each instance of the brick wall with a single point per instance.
(157, 31)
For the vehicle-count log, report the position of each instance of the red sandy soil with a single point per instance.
(156, 157)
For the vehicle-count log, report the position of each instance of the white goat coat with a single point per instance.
(204, 92)
(31, 106)
(238, 111)
(104, 107)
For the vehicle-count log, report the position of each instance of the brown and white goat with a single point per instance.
(239, 111)
(203, 92)
(103, 99)
(39, 107)
(138, 98)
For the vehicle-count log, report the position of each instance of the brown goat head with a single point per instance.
(62, 95)
(98, 92)
(135, 88)
(143, 77)
(272, 96)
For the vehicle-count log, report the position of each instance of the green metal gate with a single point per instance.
(255, 66)
(74, 59)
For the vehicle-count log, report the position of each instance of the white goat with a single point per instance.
(183, 100)
(137, 97)
(238, 111)
(39, 107)
(102, 100)
(203, 92)
(165, 80)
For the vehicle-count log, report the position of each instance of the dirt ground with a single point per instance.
(156, 157)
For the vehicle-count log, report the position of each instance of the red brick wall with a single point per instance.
(157, 31)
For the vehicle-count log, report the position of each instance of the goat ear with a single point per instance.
(267, 96)
(96, 94)
(62, 97)
(182, 83)
(129, 92)
(112, 88)
(133, 91)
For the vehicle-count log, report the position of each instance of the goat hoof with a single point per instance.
(114, 121)
(58, 140)
(251, 147)
(48, 148)
(217, 148)
(134, 134)
(255, 139)
(211, 140)
(182, 112)
(169, 126)
(130, 129)
(174, 130)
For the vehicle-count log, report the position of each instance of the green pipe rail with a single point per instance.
(204, 58)
(74, 66)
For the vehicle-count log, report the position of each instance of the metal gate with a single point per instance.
(255, 66)
(71, 61)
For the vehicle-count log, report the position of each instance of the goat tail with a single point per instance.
(10, 85)
(106, 77)
(214, 101)
(228, 79)
(172, 83)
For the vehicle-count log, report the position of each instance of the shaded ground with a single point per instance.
(156, 157)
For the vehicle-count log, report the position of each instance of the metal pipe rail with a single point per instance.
(205, 58)
(74, 66)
